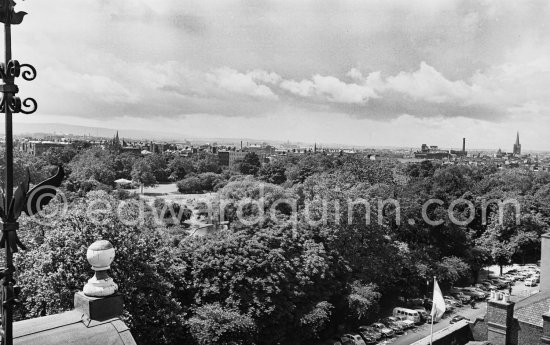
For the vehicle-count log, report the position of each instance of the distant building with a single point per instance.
(136, 150)
(517, 146)
(229, 158)
(37, 148)
(223, 157)
(431, 152)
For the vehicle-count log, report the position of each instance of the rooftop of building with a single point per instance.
(444, 333)
(530, 310)
(71, 327)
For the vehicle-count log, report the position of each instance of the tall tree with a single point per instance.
(143, 173)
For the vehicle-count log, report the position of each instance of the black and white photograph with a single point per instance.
(275, 172)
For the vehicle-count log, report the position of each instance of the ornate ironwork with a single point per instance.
(28, 72)
(12, 203)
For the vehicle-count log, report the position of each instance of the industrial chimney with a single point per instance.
(463, 144)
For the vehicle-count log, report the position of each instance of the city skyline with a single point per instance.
(358, 74)
(136, 134)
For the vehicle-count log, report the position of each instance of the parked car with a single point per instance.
(392, 323)
(449, 307)
(530, 282)
(370, 330)
(401, 321)
(489, 286)
(524, 274)
(506, 280)
(482, 287)
(451, 302)
(423, 313)
(500, 284)
(409, 314)
(484, 293)
(406, 322)
(414, 302)
(368, 338)
(520, 276)
(462, 297)
(457, 318)
(512, 277)
(457, 302)
(352, 339)
(386, 332)
(474, 293)
(429, 319)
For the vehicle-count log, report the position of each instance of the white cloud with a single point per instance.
(355, 74)
(92, 86)
(331, 89)
(304, 88)
(340, 92)
(264, 76)
(239, 83)
(430, 85)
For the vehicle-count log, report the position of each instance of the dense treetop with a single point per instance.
(322, 245)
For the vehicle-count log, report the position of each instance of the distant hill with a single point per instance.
(41, 129)
(61, 128)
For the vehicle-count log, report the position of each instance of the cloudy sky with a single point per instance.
(368, 73)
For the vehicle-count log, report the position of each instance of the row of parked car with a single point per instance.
(529, 274)
(417, 313)
(401, 320)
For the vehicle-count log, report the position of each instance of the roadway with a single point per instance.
(519, 292)
(424, 330)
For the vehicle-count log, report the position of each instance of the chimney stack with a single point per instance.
(499, 317)
(99, 299)
(463, 144)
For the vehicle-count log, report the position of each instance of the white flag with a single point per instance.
(438, 305)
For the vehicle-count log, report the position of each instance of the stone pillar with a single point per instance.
(500, 316)
(545, 263)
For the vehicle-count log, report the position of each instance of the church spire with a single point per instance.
(517, 146)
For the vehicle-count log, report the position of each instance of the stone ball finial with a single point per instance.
(100, 255)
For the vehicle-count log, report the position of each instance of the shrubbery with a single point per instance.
(205, 182)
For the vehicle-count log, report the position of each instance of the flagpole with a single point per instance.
(433, 316)
(432, 331)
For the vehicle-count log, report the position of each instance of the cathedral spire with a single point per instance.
(517, 146)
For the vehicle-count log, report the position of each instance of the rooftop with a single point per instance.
(531, 309)
(71, 327)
